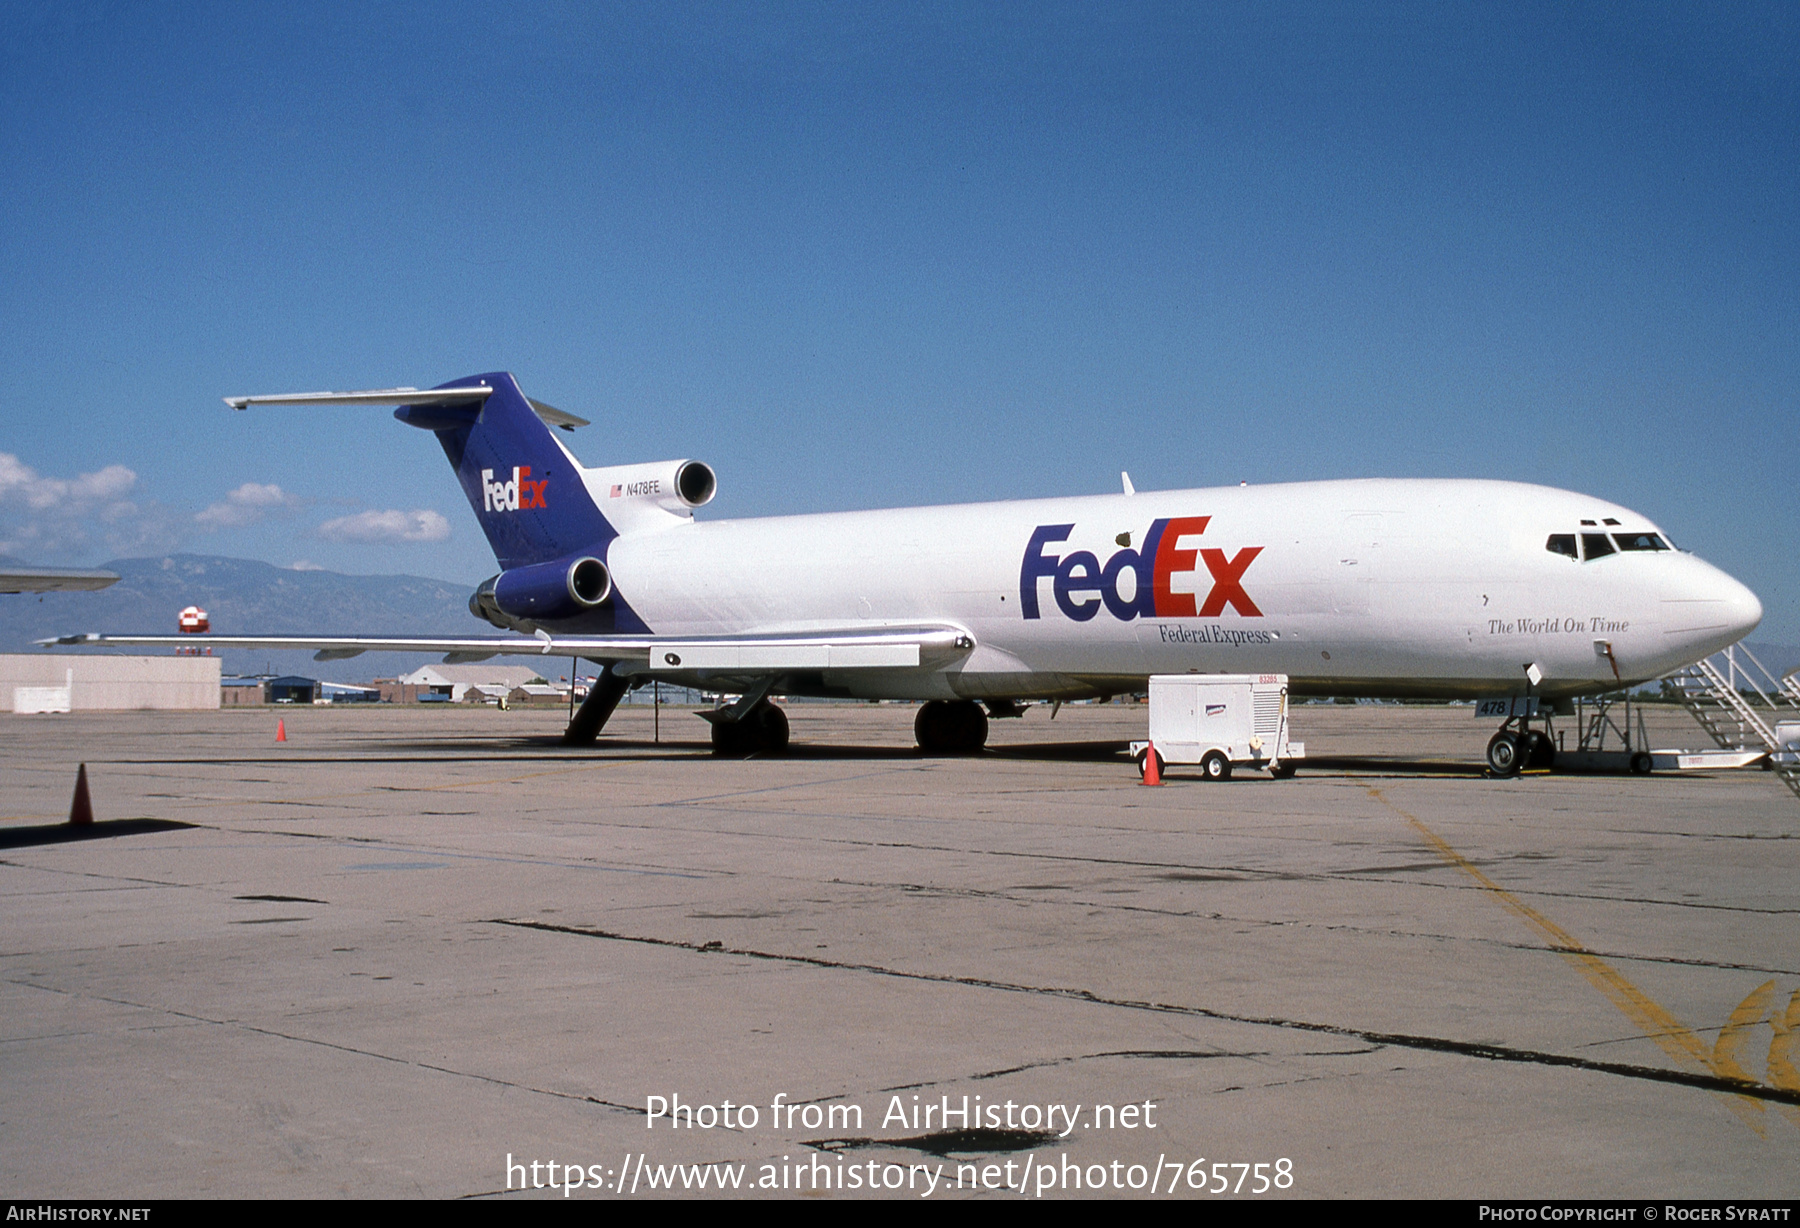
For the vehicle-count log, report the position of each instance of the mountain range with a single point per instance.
(246, 597)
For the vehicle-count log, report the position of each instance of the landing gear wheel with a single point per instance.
(946, 727)
(1215, 766)
(771, 729)
(1504, 754)
(730, 738)
(1284, 771)
(1143, 761)
(764, 730)
(1640, 764)
(1540, 751)
(928, 727)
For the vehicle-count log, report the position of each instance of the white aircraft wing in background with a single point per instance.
(53, 579)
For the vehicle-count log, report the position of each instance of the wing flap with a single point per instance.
(824, 654)
(853, 648)
(337, 646)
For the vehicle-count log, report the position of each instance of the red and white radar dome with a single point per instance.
(193, 621)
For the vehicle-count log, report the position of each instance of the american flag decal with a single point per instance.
(616, 491)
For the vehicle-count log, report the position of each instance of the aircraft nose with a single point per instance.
(1707, 605)
(1742, 607)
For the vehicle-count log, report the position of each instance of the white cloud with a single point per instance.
(21, 484)
(49, 516)
(304, 565)
(419, 525)
(246, 505)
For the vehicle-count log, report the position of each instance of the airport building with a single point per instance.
(242, 692)
(64, 682)
(294, 689)
(454, 682)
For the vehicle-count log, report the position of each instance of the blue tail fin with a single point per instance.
(525, 488)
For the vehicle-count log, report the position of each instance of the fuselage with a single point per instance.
(1446, 589)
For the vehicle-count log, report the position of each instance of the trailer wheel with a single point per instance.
(1215, 766)
(1640, 764)
(1143, 758)
(1503, 757)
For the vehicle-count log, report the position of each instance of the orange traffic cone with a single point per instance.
(81, 810)
(281, 731)
(1152, 773)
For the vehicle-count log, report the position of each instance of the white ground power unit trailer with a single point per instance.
(1220, 721)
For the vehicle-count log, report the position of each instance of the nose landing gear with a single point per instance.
(1513, 749)
(1504, 754)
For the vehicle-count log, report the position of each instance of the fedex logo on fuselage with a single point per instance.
(513, 495)
(1081, 585)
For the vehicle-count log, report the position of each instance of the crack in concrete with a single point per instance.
(100, 874)
(1017, 895)
(378, 844)
(1486, 1051)
(1170, 1054)
(1249, 874)
(353, 1050)
(944, 1143)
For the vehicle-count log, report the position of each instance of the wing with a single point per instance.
(846, 648)
(53, 579)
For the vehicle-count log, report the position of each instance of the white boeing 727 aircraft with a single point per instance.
(1433, 589)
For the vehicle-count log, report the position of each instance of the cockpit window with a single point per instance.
(1595, 545)
(1639, 541)
(1562, 543)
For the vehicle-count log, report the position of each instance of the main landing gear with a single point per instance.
(762, 730)
(946, 727)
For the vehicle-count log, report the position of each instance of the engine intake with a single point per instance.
(542, 591)
(677, 486)
(696, 483)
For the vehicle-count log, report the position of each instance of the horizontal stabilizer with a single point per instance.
(555, 416)
(406, 396)
(379, 396)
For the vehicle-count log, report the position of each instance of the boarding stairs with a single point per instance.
(1739, 702)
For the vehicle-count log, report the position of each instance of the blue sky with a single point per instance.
(858, 257)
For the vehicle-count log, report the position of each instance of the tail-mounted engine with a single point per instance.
(515, 599)
(625, 493)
